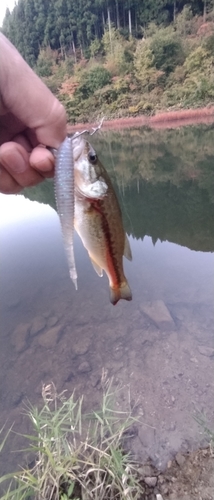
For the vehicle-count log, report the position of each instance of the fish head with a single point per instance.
(80, 147)
(89, 181)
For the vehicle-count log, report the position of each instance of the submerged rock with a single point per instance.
(19, 336)
(50, 337)
(206, 351)
(52, 321)
(84, 367)
(158, 313)
(81, 346)
(47, 314)
(38, 324)
(95, 379)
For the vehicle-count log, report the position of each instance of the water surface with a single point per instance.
(161, 344)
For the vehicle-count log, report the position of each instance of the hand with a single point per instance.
(30, 119)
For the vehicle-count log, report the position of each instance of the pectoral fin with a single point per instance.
(127, 250)
(97, 268)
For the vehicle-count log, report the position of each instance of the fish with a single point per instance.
(98, 219)
(65, 198)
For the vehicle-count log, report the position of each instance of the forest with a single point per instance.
(118, 57)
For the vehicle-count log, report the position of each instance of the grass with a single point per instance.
(201, 419)
(77, 456)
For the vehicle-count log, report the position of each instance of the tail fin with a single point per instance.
(122, 292)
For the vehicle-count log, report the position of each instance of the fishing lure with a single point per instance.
(64, 194)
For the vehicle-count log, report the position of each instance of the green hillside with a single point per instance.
(118, 57)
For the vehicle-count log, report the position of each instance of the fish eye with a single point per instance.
(92, 157)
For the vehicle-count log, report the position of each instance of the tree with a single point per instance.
(67, 25)
(167, 50)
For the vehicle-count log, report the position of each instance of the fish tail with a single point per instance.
(121, 292)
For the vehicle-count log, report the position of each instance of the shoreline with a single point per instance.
(162, 120)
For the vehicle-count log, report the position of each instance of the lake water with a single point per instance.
(160, 347)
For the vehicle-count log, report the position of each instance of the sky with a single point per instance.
(3, 6)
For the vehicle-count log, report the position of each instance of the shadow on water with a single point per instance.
(162, 343)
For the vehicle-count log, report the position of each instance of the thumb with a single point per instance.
(29, 99)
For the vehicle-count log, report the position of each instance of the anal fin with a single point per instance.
(127, 250)
(97, 268)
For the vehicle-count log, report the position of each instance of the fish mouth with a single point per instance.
(79, 145)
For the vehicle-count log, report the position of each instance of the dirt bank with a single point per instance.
(189, 476)
(167, 119)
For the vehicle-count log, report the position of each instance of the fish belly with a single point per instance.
(99, 225)
(100, 240)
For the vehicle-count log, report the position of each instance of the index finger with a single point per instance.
(28, 98)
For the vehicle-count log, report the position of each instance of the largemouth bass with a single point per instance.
(98, 219)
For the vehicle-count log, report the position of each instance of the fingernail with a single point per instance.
(14, 162)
